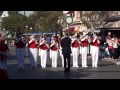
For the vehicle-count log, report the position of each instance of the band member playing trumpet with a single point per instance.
(20, 43)
(95, 50)
(61, 55)
(54, 52)
(32, 44)
(75, 51)
(43, 46)
(84, 46)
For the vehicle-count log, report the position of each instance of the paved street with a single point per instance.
(106, 70)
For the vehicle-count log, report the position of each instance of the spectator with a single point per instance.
(3, 54)
(110, 45)
(115, 48)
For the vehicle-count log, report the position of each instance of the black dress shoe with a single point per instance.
(65, 70)
(68, 70)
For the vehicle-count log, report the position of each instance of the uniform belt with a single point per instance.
(83, 46)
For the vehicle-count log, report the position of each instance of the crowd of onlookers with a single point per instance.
(110, 47)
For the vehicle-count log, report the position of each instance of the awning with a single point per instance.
(49, 33)
(70, 12)
(36, 33)
(112, 25)
(112, 19)
(108, 28)
(26, 33)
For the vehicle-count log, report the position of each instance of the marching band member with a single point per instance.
(75, 51)
(90, 47)
(95, 50)
(43, 46)
(54, 52)
(72, 38)
(20, 51)
(33, 51)
(80, 45)
(60, 50)
(50, 49)
(84, 46)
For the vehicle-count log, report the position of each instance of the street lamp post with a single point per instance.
(26, 28)
(69, 20)
(60, 22)
(31, 29)
(4, 30)
(39, 28)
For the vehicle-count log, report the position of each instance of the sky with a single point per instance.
(27, 12)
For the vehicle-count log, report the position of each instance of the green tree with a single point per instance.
(15, 22)
(46, 20)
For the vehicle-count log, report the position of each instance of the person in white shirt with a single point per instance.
(110, 45)
(115, 48)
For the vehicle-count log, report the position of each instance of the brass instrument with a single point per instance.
(53, 43)
(84, 37)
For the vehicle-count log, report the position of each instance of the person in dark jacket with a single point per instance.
(66, 51)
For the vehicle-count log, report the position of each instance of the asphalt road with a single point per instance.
(105, 70)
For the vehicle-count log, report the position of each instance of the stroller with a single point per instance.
(103, 53)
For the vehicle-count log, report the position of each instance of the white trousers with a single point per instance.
(75, 52)
(33, 56)
(84, 56)
(43, 55)
(91, 49)
(20, 53)
(54, 55)
(95, 55)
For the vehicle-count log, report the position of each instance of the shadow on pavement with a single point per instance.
(101, 65)
(41, 73)
(74, 75)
